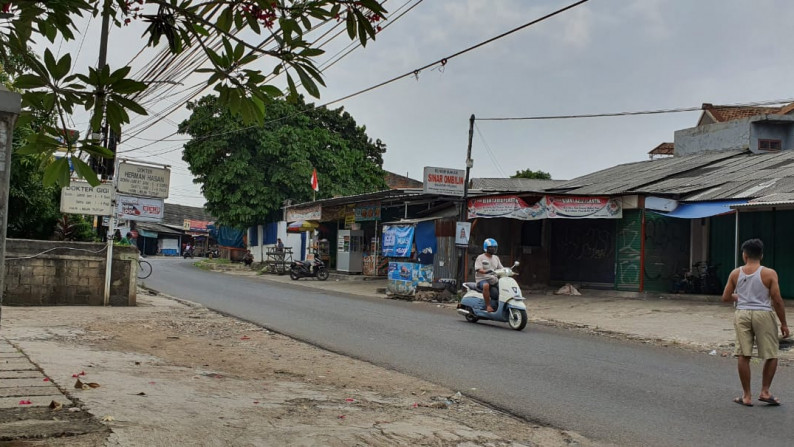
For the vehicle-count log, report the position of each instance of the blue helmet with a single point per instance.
(490, 246)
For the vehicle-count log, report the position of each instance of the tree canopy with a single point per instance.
(529, 173)
(53, 87)
(248, 172)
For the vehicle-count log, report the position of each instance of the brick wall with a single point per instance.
(72, 273)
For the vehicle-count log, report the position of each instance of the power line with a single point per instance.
(491, 154)
(642, 112)
(442, 62)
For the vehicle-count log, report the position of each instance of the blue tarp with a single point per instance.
(698, 210)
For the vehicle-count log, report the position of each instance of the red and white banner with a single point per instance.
(510, 207)
(577, 207)
(548, 207)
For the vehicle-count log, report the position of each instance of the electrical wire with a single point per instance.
(490, 152)
(642, 112)
(442, 62)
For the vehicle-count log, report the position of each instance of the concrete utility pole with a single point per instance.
(464, 205)
(10, 106)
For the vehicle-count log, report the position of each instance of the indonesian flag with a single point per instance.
(315, 183)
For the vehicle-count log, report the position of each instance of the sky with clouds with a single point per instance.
(602, 56)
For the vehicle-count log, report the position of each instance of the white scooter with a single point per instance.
(508, 302)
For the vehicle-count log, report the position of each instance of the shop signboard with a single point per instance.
(139, 208)
(510, 207)
(444, 181)
(196, 226)
(366, 212)
(578, 207)
(141, 180)
(397, 240)
(311, 212)
(82, 198)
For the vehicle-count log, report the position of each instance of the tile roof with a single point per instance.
(663, 149)
(723, 114)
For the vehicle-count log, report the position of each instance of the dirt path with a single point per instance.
(177, 373)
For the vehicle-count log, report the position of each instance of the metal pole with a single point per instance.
(10, 106)
(110, 234)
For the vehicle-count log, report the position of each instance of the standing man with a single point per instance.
(755, 292)
(484, 266)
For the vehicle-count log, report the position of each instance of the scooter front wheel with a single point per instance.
(293, 275)
(322, 274)
(518, 319)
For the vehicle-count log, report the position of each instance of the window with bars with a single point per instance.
(769, 145)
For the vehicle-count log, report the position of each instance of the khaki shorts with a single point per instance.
(759, 325)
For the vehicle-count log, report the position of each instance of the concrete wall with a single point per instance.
(713, 137)
(72, 273)
(765, 130)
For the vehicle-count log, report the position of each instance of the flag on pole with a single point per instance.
(315, 184)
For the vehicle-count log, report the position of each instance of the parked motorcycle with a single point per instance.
(308, 269)
(506, 299)
(214, 253)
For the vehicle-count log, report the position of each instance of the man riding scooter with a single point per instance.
(484, 266)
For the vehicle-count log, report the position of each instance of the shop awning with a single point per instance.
(698, 210)
(145, 233)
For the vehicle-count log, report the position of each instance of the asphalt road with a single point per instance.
(622, 392)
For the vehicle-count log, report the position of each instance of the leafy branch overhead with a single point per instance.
(248, 172)
(54, 88)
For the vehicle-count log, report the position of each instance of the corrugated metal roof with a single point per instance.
(713, 176)
(639, 176)
(488, 185)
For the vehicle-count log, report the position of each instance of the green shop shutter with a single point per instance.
(666, 250)
(784, 251)
(628, 251)
(722, 235)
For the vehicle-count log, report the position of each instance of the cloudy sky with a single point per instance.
(603, 56)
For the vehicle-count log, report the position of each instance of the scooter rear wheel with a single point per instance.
(518, 319)
(293, 275)
(471, 318)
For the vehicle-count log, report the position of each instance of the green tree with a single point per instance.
(529, 173)
(247, 172)
(55, 88)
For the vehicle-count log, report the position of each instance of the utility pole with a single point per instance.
(10, 106)
(464, 205)
(99, 164)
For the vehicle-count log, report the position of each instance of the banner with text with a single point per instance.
(82, 198)
(139, 208)
(366, 212)
(312, 212)
(548, 207)
(510, 207)
(397, 240)
(575, 207)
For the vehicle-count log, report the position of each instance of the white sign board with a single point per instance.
(313, 212)
(141, 180)
(139, 208)
(82, 198)
(448, 182)
(462, 233)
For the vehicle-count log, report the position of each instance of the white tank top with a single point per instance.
(753, 294)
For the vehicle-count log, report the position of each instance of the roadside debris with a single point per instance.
(55, 406)
(568, 289)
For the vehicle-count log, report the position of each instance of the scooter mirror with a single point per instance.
(515, 265)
